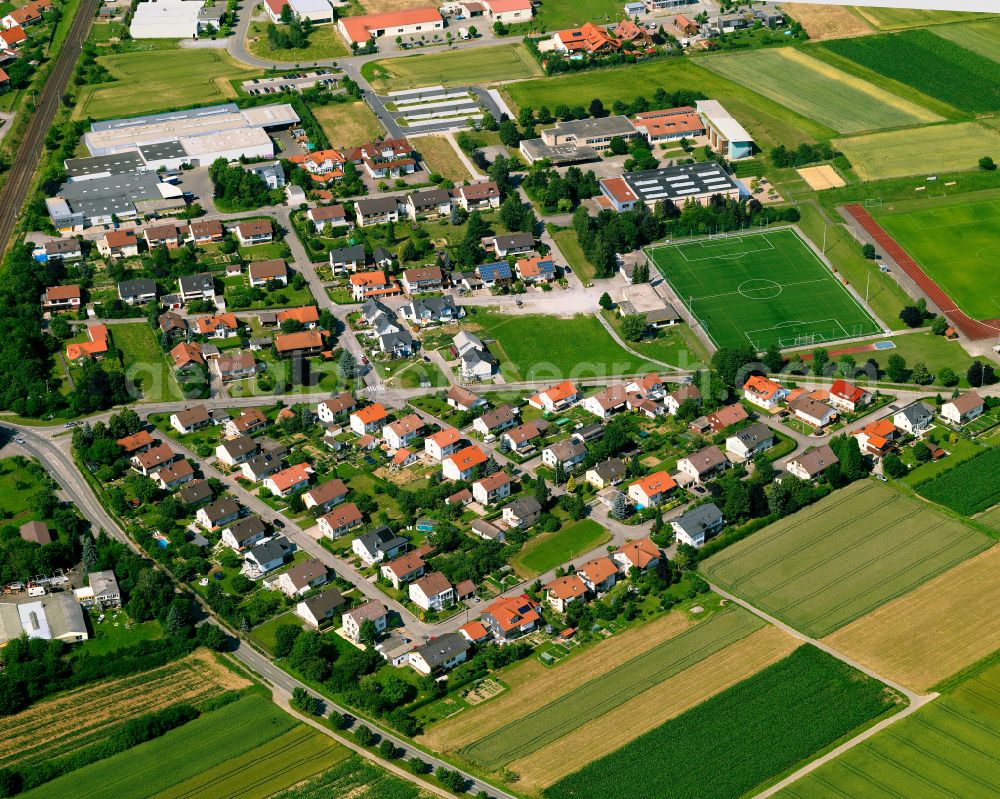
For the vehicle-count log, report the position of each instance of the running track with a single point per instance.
(971, 328)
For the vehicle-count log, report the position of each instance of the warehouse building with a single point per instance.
(359, 30)
(698, 182)
(99, 200)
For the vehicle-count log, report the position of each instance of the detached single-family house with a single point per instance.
(703, 464)
(564, 591)
(523, 437)
(332, 409)
(377, 545)
(432, 592)
(673, 401)
(440, 654)
(652, 490)
(218, 513)
(373, 611)
(569, 452)
(522, 512)
(174, 475)
(404, 569)
(537, 269)
(460, 465)
(244, 533)
(699, 524)
(401, 432)
(606, 473)
(914, 419)
(348, 258)
(118, 244)
(428, 202)
(376, 211)
(763, 393)
(747, 443)
(556, 398)
(426, 278)
(333, 215)
(876, 438)
(462, 399)
(195, 287)
(813, 463)
(368, 419)
(341, 520)
(726, 417)
(61, 298)
(289, 480)
(261, 273)
(257, 231)
(152, 459)
(512, 244)
(508, 618)
(477, 196)
(845, 396)
(640, 554)
(235, 451)
(301, 578)
(137, 292)
(318, 609)
(492, 489)
(963, 408)
(487, 530)
(812, 411)
(599, 574)
(190, 419)
(249, 421)
(326, 495)
(496, 421)
(606, 402)
(442, 443)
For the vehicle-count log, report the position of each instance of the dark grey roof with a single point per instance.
(376, 205)
(512, 241)
(382, 539)
(346, 255)
(680, 182)
(754, 434)
(323, 603)
(270, 550)
(237, 447)
(600, 126)
(917, 412)
(222, 509)
(525, 506)
(442, 649)
(202, 282)
(610, 469)
(247, 528)
(162, 150)
(116, 164)
(390, 341)
(589, 432)
(381, 254)
(429, 198)
(699, 519)
(148, 119)
(560, 154)
(194, 492)
(137, 287)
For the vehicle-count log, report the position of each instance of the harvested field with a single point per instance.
(379, 6)
(595, 698)
(828, 22)
(532, 685)
(933, 632)
(821, 177)
(348, 124)
(651, 708)
(440, 157)
(85, 716)
(827, 565)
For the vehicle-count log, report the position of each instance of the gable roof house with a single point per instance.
(425, 278)
(401, 432)
(218, 513)
(404, 569)
(508, 618)
(963, 408)
(460, 465)
(432, 592)
(476, 196)
(326, 495)
(61, 298)
(372, 610)
(340, 520)
(196, 287)
(266, 556)
(137, 442)
(427, 310)
(492, 488)
(256, 231)
(320, 608)
(289, 480)
(652, 490)
(260, 466)
(812, 411)
(333, 215)
(137, 292)
(428, 202)
(763, 393)
(914, 419)
(463, 399)
(813, 463)
(703, 464)
(329, 410)
(368, 419)
(745, 444)
(877, 437)
(174, 474)
(564, 591)
(606, 473)
(260, 273)
(673, 401)
(249, 421)
(301, 578)
(376, 210)
(607, 401)
(377, 545)
(699, 524)
(512, 244)
(640, 553)
(443, 443)
(537, 269)
(491, 274)
(523, 512)
(152, 459)
(234, 451)
(599, 574)
(727, 416)
(440, 654)
(559, 396)
(845, 396)
(240, 534)
(522, 438)
(568, 452)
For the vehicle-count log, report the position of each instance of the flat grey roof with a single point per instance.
(116, 164)
(191, 113)
(161, 150)
(133, 185)
(602, 126)
(559, 155)
(680, 182)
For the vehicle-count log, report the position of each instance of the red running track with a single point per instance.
(971, 328)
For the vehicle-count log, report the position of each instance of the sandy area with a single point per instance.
(821, 177)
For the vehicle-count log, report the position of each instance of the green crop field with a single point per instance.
(145, 364)
(462, 67)
(900, 18)
(959, 77)
(956, 241)
(828, 564)
(946, 749)
(819, 90)
(357, 779)
(762, 288)
(170, 79)
(769, 122)
(970, 487)
(920, 151)
(181, 754)
(740, 738)
(981, 37)
(549, 550)
(602, 694)
(550, 347)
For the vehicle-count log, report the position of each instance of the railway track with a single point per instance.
(22, 173)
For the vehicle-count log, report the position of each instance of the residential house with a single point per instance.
(599, 574)
(607, 401)
(172, 323)
(401, 432)
(330, 410)
(137, 442)
(747, 443)
(256, 231)
(522, 513)
(443, 443)
(423, 279)
(333, 215)
(556, 398)
(220, 326)
(464, 400)
(963, 408)
(373, 611)
(162, 236)
(440, 654)
(487, 530)
(206, 232)
(36, 533)
(152, 459)
(174, 475)
(606, 473)
(763, 392)
(326, 495)
(564, 591)
(512, 244)
(492, 488)
(249, 421)
(475, 632)
(460, 465)
(268, 171)
(496, 273)
(877, 437)
(523, 437)
(260, 466)
(368, 419)
(347, 259)
(641, 554)
(63, 249)
(301, 578)
(104, 589)
(61, 298)
(508, 618)
(377, 545)
(477, 362)
(365, 285)
(187, 356)
(673, 401)
(914, 419)
(403, 569)
(812, 411)
(703, 464)
(813, 463)
(376, 211)
(586, 433)
(432, 592)
(397, 345)
(319, 609)
(569, 452)
(303, 344)
(235, 451)
(235, 366)
(699, 524)
(726, 417)
(137, 292)
(218, 513)
(266, 556)
(428, 202)
(289, 480)
(196, 287)
(341, 520)
(477, 196)
(538, 269)
(262, 273)
(589, 38)
(845, 396)
(305, 315)
(652, 490)
(96, 347)
(241, 534)
(428, 310)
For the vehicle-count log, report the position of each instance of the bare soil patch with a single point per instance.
(829, 22)
(821, 177)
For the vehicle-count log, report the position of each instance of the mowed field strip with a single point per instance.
(820, 91)
(933, 632)
(87, 715)
(603, 694)
(459, 67)
(761, 288)
(956, 241)
(673, 696)
(530, 685)
(919, 151)
(946, 749)
(842, 557)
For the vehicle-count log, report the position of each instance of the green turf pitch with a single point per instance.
(762, 288)
(956, 243)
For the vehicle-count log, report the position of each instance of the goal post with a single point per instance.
(873, 202)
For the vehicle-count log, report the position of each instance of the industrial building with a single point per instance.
(697, 182)
(100, 200)
(360, 29)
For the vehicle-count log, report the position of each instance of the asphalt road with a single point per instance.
(15, 191)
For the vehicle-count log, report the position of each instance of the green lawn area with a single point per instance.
(117, 631)
(675, 345)
(569, 246)
(293, 297)
(145, 363)
(324, 42)
(276, 378)
(264, 633)
(170, 79)
(348, 124)
(550, 347)
(762, 288)
(265, 252)
(549, 550)
(960, 450)
(769, 122)
(17, 486)
(411, 376)
(455, 67)
(936, 352)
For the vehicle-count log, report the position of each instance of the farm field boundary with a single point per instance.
(826, 565)
(934, 631)
(598, 696)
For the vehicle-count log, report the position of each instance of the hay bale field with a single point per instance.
(651, 708)
(842, 557)
(933, 632)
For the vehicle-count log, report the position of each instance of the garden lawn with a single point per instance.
(455, 67)
(742, 737)
(569, 245)
(324, 42)
(17, 487)
(959, 451)
(769, 122)
(828, 564)
(549, 550)
(440, 157)
(293, 298)
(144, 362)
(540, 348)
(348, 124)
(935, 352)
(970, 487)
(170, 79)
(264, 633)
(675, 345)
(115, 632)
(820, 91)
(946, 748)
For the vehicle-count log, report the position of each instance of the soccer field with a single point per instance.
(956, 242)
(762, 288)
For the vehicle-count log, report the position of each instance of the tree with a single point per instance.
(774, 359)
(348, 365)
(946, 376)
(819, 360)
(606, 302)
(730, 362)
(894, 467)
(596, 107)
(868, 251)
(178, 622)
(418, 766)
(980, 374)
(10, 782)
(939, 325)
(368, 632)
(920, 374)
(634, 327)
(284, 639)
(911, 316)
(895, 368)
(388, 749)
(509, 134)
(304, 702)
(489, 122)
(620, 507)
(986, 164)
(364, 736)
(90, 557)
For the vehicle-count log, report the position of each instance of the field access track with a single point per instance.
(969, 327)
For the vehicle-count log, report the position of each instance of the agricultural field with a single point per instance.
(170, 79)
(769, 122)
(946, 748)
(324, 42)
(889, 19)
(970, 487)
(85, 716)
(820, 91)
(557, 14)
(549, 550)
(357, 779)
(762, 288)
(980, 37)
(144, 363)
(598, 696)
(931, 633)
(955, 241)
(827, 564)
(960, 77)
(453, 68)
(830, 22)
(741, 738)
(919, 151)
(541, 348)
(991, 518)
(158, 765)
(348, 124)
(440, 157)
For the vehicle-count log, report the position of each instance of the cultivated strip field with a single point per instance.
(651, 708)
(603, 694)
(842, 557)
(820, 91)
(970, 487)
(762, 288)
(357, 779)
(933, 632)
(901, 18)
(740, 738)
(530, 685)
(86, 716)
(948, 748)
(979, 37)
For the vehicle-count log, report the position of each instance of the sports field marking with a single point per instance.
(740, 290)
(725, 243)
